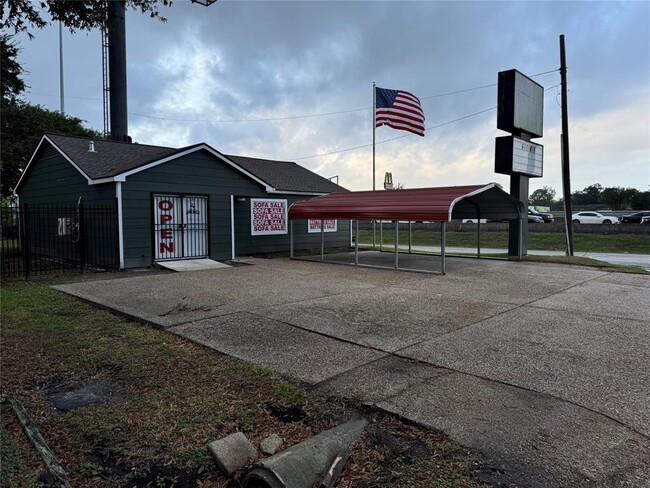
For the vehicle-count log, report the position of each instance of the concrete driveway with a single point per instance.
(543, 368)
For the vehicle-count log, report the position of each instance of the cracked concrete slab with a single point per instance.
(293, 352)
(175, 298)
(535, 439)
(600, 298)
(590, 360)
(518, 283)
(625, 279)
(385, 317)
(382, 379)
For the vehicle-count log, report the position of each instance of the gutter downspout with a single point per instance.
(120, 228)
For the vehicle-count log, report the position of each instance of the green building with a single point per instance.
(190, 202)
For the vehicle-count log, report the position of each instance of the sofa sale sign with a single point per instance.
(268, 217)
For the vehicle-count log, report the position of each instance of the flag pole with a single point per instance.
(374, 128)
(374, 123)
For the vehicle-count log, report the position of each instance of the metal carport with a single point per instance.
(441, 204)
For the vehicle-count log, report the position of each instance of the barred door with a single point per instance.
(180, 227)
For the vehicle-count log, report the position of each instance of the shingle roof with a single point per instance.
(110, 158)
(113, 158)
(285, 175)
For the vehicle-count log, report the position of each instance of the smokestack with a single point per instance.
(117, 71)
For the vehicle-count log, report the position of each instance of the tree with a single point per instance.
(544, 197)
(618, 198)
(11, 83)
(641, 201)
(588, 196)
(25, 15)
(21, 128)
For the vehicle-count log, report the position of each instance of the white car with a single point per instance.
(593, 218)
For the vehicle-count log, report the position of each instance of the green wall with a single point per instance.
(52, 179)
(245, 243)
(201, 173)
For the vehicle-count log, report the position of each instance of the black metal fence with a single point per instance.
(49, 238)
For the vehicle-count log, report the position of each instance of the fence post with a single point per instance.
(27, 255)
(82, 238)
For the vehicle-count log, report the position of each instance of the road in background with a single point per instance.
(622, 259)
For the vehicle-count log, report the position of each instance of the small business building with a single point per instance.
(191, 202)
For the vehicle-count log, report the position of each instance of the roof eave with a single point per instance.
(31, 161)
(293, 192)
(122, 176)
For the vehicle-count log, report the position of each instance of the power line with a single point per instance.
(292, 117)
(408, 135)
(270, 119)
(398, 137)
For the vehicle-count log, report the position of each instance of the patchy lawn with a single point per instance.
(166, 398)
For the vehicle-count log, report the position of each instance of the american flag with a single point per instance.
(398, 109)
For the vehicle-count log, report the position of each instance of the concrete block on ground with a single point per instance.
(232, 452)
(271, 444)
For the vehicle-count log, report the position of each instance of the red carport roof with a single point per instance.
(420, 204)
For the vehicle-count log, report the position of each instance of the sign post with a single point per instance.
(520, 111)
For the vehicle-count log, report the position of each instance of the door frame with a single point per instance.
(152, 234)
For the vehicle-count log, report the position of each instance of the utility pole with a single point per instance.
(61, 92)
(566, 174)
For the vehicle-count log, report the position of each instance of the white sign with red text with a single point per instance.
(314, 225)
(268, 217)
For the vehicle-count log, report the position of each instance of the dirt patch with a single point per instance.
(286, 413)
(90, 393)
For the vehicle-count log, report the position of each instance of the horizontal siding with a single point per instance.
(195, 174)
(53, 179)
(246, 244)
(201, 174)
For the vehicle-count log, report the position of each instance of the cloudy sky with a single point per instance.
(293, 81)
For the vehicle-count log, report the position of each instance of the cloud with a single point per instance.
(254, 60)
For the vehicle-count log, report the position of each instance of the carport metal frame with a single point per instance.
(421, 204)
(443, 230)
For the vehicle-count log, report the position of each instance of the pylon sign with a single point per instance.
(520, 107)
(520, 111)
(516, 155)
(388, 181)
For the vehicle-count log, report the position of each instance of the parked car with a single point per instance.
(474, 221)
(546, 217)
(593, 218)
(634, 218)
(532, 219)
(645, 220)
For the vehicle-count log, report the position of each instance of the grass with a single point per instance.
(593, 263)
(168, 397)
(541, 241)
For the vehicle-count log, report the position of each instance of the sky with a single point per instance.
(293, 81)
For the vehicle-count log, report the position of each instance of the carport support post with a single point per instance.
(291, 239)
(396, 244)
(322, 240)
(410, 240)
(356, 242)
(381, 235)
(443, 240)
